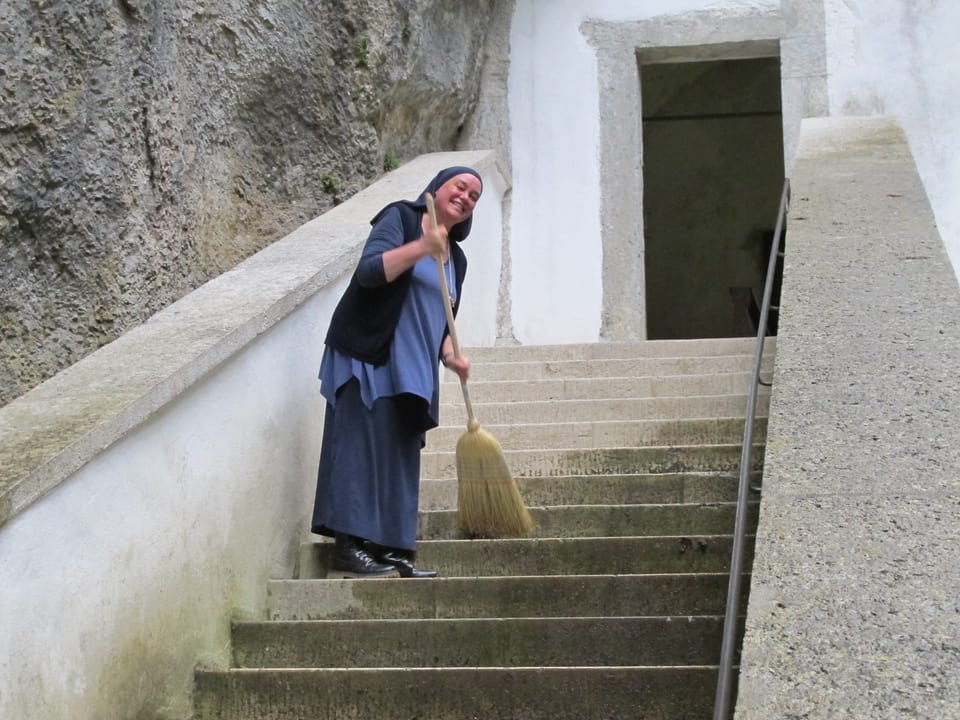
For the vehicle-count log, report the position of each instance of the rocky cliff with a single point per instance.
(147, 146)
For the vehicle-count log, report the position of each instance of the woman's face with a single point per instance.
(457, 197)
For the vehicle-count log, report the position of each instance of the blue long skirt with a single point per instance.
(368, 483)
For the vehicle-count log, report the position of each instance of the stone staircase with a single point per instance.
(627, 456)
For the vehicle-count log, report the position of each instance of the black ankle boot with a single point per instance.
(402, 560)
(350, 560)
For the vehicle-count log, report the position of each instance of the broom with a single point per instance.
(489, 502)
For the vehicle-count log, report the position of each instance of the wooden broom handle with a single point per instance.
(448, 306)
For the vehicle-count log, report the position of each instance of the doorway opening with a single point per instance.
(712, 176)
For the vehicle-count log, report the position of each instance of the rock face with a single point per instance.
(146, 147)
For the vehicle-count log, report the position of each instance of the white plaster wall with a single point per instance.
(115, 583)
(477, 317)
(902, 58)
(555, 245)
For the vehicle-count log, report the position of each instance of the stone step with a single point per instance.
(617, 555)
(627, 456)
(479, 642)
(442, 463)
(606, 520)
(684, 487)
(500, 596)
(631, 349)
(621, 408)
(532, 693)
(608, 434)
(610, 368)
(599, 388)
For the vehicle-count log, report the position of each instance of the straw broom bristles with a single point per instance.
(489, 502)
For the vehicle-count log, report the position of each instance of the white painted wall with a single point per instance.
(902, 58)
(477, 317)
(115, 585)
(555, 241)
(894, 57)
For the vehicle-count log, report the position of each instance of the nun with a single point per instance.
(380, 378)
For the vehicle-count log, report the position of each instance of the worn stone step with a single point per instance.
(479, 642)
(627, 456)
(442, 494)
(607, 520)
(507, 596)
(620, 408)
(598, 388)
(626, 349)
(554, 433)
(601, 461)
(610, 368)
(535, 693)
(625, 555)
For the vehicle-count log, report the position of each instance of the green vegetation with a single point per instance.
(331, 183)
(361, 53)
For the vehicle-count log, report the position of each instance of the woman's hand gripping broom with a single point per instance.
(489, 501)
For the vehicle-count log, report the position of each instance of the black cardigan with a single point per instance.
(365, 319)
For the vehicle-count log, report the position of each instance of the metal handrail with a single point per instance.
(721, 706)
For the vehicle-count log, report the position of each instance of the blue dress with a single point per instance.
(368, 483)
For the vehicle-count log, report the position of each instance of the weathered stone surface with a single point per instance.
(853, 605)
(147, 147)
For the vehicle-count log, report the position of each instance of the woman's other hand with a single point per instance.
(459, 365)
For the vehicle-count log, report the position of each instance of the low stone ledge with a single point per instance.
(56, 428)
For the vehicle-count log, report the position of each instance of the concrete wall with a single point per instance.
(148, 492)
(902, 58)
(853, 601)
(124, 577)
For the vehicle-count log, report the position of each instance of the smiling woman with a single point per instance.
(380, 378)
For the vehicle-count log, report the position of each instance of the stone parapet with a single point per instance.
(853, 604)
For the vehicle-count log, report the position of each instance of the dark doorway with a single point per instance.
(712, 177)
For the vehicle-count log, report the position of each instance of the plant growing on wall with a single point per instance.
(361, 53)
(331, 183)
